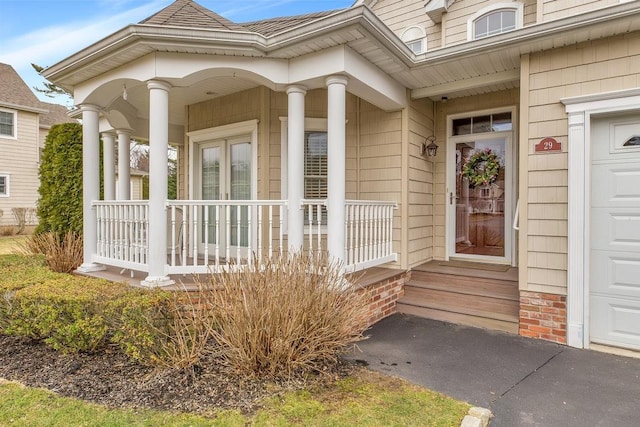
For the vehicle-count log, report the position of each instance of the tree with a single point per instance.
(51, 90)
(60, 202)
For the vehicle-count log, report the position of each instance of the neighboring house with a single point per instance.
(315, 132)
(24, 124)
(136, 185)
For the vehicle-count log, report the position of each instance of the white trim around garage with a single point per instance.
(580, 110)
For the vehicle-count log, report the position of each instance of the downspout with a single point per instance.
(358, 139)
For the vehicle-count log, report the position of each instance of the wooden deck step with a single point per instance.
(469, 296)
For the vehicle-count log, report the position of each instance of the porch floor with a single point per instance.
(189, 282)
(468, 293)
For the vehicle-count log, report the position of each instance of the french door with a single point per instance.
(225, 174)
(480, 197)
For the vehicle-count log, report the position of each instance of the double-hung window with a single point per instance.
(7, 124)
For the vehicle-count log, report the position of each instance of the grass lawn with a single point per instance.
(8, 244)
(364, 399)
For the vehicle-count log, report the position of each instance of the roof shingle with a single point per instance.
(187, 13)
(14, 91)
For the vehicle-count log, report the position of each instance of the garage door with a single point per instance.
(615, 232)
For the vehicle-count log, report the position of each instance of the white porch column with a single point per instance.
(124, 154)
(90, 185)
(336, 153)
(158, 173)
(295, 177)
(109, 165)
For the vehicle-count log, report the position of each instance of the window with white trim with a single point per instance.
(415, 38)
(7, 123)
(495, 19)
(4, 185)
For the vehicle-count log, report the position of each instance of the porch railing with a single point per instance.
(122, 228)
(208, 235)
(368, 231)
(204, 235)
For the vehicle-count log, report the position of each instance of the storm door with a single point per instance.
(480, 188)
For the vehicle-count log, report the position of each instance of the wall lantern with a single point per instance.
(431, 149)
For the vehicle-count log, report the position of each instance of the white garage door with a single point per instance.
(615, 232)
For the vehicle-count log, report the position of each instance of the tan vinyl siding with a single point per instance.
(420, 185)
(588, 68)
(402, 14)
(462, 10)
(454, 106)
(19, 160)
(554, 9)
(381, 161)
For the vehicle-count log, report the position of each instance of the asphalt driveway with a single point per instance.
(524, 382)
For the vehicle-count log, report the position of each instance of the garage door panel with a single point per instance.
(615, 229)
(614, 241)
(615, 185)
(618, 321)
(615, 274)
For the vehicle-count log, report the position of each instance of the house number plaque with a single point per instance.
(548, 145)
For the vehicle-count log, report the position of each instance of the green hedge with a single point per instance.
(75, 313)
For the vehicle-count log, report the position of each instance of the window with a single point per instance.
(415, 39)
(498, 122)
(315, 165)
(7, 123)
(495, 19)
(4, 185)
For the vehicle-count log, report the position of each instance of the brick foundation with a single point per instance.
(543, 316)
(384, 295)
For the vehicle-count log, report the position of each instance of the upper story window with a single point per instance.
(495, 19)
(7, 123)
(415, 38)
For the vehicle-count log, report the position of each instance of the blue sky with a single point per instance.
(46, 31)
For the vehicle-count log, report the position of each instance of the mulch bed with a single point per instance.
(114, 380)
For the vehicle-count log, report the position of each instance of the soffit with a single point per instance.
(364, 33)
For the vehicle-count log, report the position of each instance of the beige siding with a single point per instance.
(19, 160)
(402, 14)
(420, 184)
(554, 9)
(455, 20)
(587, 68)
(455, 106)
(380, 162)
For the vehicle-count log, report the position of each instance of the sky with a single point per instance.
(44, 32)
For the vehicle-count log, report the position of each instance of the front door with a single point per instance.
(225, 174)
(480, 187)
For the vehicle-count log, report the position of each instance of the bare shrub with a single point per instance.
(63, 253)
(20, 215)
(292, 316)
(7, 230)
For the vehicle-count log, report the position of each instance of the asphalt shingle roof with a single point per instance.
(14, 91)
(269, 27)
(57, 114)
(189, 14)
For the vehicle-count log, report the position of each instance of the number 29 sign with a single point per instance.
(548, 145)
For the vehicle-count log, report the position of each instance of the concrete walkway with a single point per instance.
(524, 382)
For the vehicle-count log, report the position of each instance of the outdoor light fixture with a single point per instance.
(432, 148)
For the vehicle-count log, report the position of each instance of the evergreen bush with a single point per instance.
(60, 202)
